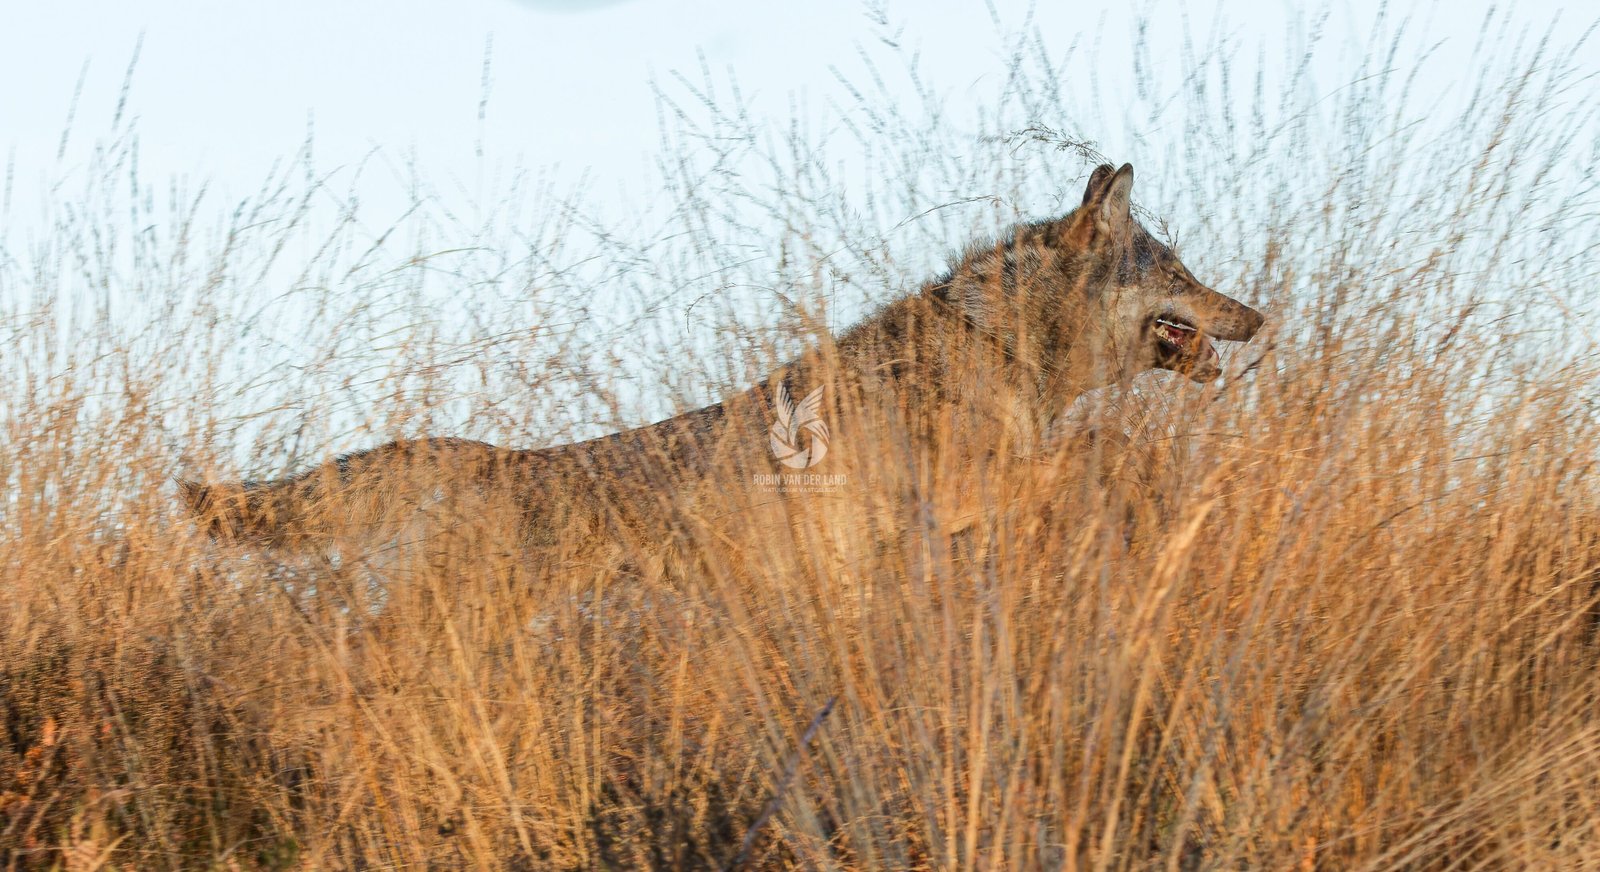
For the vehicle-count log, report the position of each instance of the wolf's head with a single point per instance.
(1148, 310)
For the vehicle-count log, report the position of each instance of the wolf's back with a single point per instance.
(243, 511)
(356, 494)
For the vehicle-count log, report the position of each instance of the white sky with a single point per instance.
(221, 90)
(224, 91)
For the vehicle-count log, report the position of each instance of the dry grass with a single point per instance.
(1337, 613)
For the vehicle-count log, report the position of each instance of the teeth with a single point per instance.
(1174, 333)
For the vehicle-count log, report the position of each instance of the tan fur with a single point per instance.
(1009, 337)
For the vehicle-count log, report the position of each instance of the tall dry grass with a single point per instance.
(1337, 612)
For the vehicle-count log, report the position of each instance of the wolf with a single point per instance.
(1005, 340)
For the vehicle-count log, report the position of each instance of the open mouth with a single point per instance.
(1175, 334)
(1186, 348)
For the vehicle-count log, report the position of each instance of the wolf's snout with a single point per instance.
(1233, 321)
(1252, 323)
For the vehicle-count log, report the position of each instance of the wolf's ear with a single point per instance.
(1114, 211)
(1106, 216)
(1097, 182)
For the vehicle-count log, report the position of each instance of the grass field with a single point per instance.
(1339, 611)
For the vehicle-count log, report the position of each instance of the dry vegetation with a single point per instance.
(1336, 612)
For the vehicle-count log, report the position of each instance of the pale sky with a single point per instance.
(221, 90)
